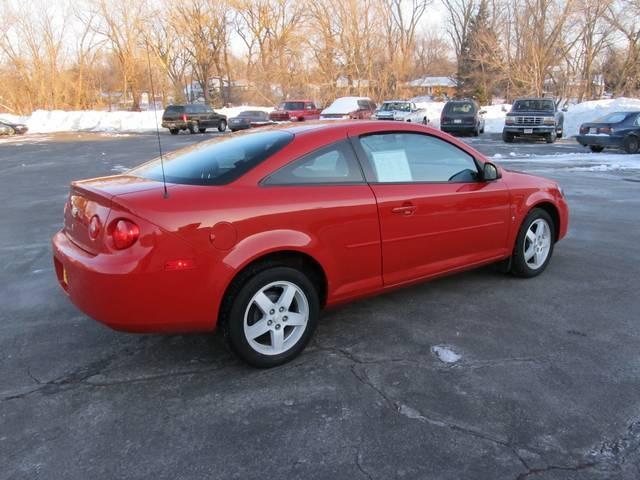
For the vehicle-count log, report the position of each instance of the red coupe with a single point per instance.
(259, 231)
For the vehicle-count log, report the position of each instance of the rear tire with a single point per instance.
(631, 144)
(271, 316)
(222, 126)
(174, 131)
(596, 148)
(534, 244)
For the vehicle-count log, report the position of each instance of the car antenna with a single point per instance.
(155, 116)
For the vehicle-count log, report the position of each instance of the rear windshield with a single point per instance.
(292, 106)
(533, 104)
(396, 106)
(218, 162)
(175, 109)
(251, 113)
(613, 118)
(460, 107)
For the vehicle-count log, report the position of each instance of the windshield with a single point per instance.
(218, 162)
(534, 104)
(292, 106)
(396, 106)
(613, 118)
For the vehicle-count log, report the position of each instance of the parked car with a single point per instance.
(616, 130)
(295, 111)
(349, 107)
(11, 128)
(260, 231)
(462, 117)
(533, 117)
(401, 110)
(249, 119)
(195, 117)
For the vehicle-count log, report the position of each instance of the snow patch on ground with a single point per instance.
(50, 121)
(445, 354)
(579, 162)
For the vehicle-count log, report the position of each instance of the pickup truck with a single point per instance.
(295, 111)
(533, 117)
(401, 110)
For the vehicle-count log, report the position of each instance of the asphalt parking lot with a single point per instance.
(547, 385)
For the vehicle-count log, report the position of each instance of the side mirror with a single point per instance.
(490, 172)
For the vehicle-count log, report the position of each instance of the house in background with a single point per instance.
(433, 86)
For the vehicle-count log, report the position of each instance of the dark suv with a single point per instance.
(462, 116)
(195, 117)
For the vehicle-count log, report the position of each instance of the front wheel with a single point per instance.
(631, 144)
(534, 245)
(596, 148)
(507, 137)
(551, 137)
(193, 127)
(222, 126)
(272, 317)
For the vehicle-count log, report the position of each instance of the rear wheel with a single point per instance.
(631, 144)
(507, 137)
(173, 131)
(193, 127)
(272, 316)
(534, 245)
(222, 126)
(202, 130)
(596, 148)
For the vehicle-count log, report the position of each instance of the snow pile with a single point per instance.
(593, 110)
(577, 162)
(49, 121)
(445, 354)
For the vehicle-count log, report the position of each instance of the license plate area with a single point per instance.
(528, 131)
(457, 120)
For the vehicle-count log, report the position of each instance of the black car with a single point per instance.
(17, 128)
(249, 119)
(462, 116)
(195, 117)
(533, 118)
(616, 130)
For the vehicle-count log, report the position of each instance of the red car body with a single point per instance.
(363, 238)
(296, 111)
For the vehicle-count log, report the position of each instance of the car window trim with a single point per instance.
(369, 174)
(262, 182)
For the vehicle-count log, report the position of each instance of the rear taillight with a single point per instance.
(184, 118)
(124, 233)
(94, 227)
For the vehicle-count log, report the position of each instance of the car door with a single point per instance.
(436, 214)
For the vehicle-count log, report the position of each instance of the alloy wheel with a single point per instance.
(537, 244)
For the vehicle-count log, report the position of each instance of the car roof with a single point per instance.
(297, 100)
(397, 101)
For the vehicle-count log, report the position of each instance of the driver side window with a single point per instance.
(415, 158)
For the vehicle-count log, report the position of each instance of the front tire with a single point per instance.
(222, 126)
(193, 127)
(507, 137)
(272, 317)
(631, 144)
(551, 137)
(534, 244)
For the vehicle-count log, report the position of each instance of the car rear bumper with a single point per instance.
(239, 126)
(599, 140)
(171, 124)
(532, 130)
(458, 128)
(127, 294)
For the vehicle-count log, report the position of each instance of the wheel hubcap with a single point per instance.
(276, 318)
(537, 243)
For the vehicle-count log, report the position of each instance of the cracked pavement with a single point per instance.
(547, 386)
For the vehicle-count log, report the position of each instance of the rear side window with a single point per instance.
(415, 158)
(333, 164)
(218, 162)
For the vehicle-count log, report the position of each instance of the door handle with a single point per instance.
(406, 209)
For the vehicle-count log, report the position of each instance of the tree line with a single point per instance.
(93, 54)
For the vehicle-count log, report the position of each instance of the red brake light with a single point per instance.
(184, 117)
(94, 227)
(124, 233)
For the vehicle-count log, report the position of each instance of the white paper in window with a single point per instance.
(392, 166)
